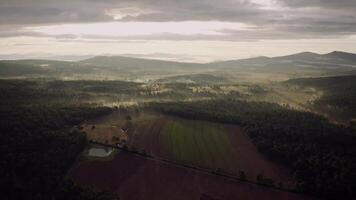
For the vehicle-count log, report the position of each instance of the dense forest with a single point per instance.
(38, 145)
(322, 155)
(339, 92)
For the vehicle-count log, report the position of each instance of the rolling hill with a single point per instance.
(339, 94)
(137, 63)
(305, 64)
(339, 60)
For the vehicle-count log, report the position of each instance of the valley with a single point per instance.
(177, 100)
(197, 136)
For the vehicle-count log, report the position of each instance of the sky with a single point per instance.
(181, 30)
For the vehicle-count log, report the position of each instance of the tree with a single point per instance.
(259, 178)
(128, 118)
(280, 185)
(242, 176)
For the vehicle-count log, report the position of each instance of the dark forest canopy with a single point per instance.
(38, 145)
(339, 91)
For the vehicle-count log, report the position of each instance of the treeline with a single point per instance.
(322, 156)
(121, 87)
(36, 92)
(38, 146)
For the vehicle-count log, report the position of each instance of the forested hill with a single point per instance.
(339, 92)
(333, 83)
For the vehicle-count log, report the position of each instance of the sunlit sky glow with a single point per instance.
(138, 28)
(191, 30)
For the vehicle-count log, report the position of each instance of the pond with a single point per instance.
(100, 151)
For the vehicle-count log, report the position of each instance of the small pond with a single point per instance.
(98, 151)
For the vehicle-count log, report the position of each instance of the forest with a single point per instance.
(38, 145)
(339, 92)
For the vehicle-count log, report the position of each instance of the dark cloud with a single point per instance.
(203, 10)
(293, 18)
(65, 11)
(49, 12)
(332, 4)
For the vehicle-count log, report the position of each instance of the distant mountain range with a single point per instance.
(337, 57)
(128, 68)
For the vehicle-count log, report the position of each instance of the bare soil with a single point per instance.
(135, 178)
(253, 162)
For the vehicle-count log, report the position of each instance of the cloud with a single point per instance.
(331, 4)
(64, 11)
(49, 12)
(268, 19)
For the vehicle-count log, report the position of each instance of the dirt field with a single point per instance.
(204, 144)
(253, 162)
(135, 178)
(197, 143)
(105, 134)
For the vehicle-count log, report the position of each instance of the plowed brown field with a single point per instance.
(136, 178)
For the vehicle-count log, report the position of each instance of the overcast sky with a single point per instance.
(185, 30)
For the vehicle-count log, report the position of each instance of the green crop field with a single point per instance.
(198, 143)
(192, 142)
